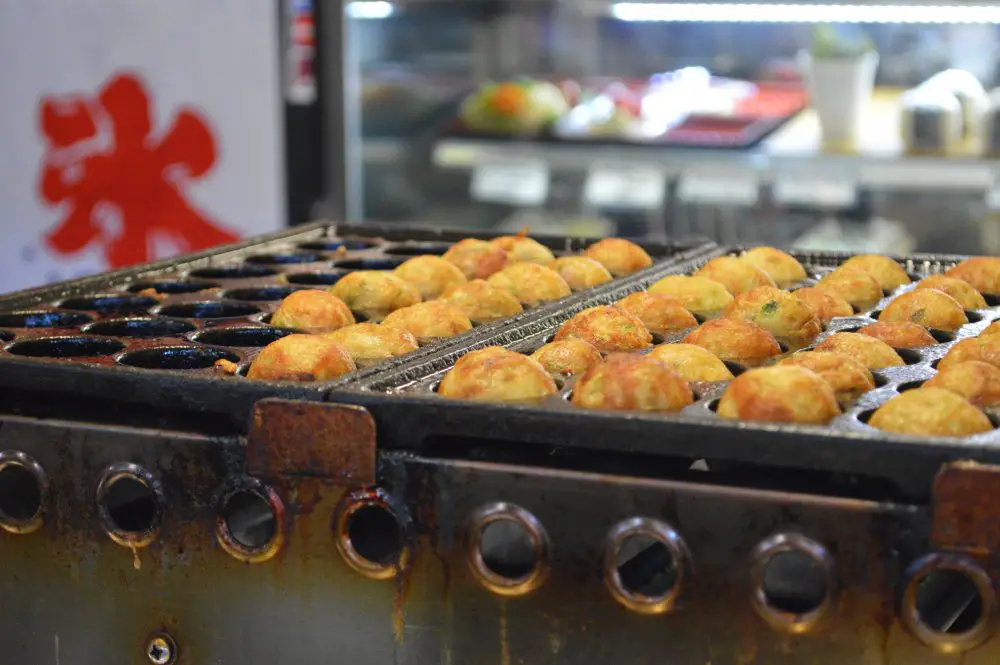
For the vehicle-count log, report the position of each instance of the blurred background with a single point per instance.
(133, 131)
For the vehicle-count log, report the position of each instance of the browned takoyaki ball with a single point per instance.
(930, 412)
(568, 356)
(430, 320)
(899, 334)
(991, 330)
(620, 257)
(477, 259)
(846, 376)
(698, 295)
(737, 275)
(986, 349)
(928, 307)
(887, 272)
(982, 272)
(312, 311)
(523, 248)
(974, 380)
(958, 289)
(482, 302)
(870, 352)
(580, 272)
(780, 394)
(661, 314)
(496, 374)
(531, 283)
(370, 343)
(432, 275)
(855, 286)
(735, 339)
(778, 312)
(301, 358)
(629, 382)
(609, 329)
(827, 306)
(374, 293)
(783, 268)
(692, 362)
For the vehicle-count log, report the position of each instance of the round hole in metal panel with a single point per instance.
(644, 564)
(369, 534)
(43, 319)
(508, 549)
(260, 294)
(334, 245)
(172, 287)
(247, 337)
(66, 347)
(209, 309)
(244, 271)
(140, 328)
(367, 264)
(110, 304)
(283, 259)
(130, 503)
(436, 249)
(314, 278)
(177, 357)
(793, 582)
(249, 522)
(23, 488)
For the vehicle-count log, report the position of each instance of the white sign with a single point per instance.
(630, 187)
(722, 187)
(519, 182)
(813, 189)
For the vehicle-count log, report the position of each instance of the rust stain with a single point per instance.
(403, 582)
(504, 643)
(965, 515)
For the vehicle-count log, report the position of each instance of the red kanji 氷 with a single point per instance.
(103, 158)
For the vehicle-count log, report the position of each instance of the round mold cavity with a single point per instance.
(414, 249)
(367, 264)
(369, 534)
(110, 303)
(942, 336)
(735, 368)
(209, 309)
(909, 356)
(314, 278)
(241, 336)
(713, 405)
(244, 271)
(177, 357)
(66, 347)
(43, 319)
(333, 245)
(173, 287)
(973, 316)
(909, 385)
(139, 328)
(283, 259)
(991, 300)
(880, 381)
(260, 294)
(6, 336)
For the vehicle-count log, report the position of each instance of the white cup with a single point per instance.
(840, 91)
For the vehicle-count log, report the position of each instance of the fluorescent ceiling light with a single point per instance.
(374, 9)
(804, 13)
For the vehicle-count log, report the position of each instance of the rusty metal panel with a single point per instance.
(967, 508)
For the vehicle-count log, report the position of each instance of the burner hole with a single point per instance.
(646, 566)
(130, 504)
(735, 368)
(210, 309)
(139, 328)
(334, 245)
(507, 549)
(173, 287)
(942, 336)
(794, 583)
(314, 278)
(245, 337)
(177, 358)
(262, 294)
(21, 490)
(110, 304)
(283, 259)
(417, 250)
(43, 320)
(909, 385)
(367, 264)
(948, 601)
(974, 317)
(233, 272)
(249, 519)
(909, 356)
(65, 347)
(374, 534)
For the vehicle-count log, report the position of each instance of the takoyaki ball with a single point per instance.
(887, 272)
(432, 275)
(991, 330)
(974, 380)
(827, 306)
(568, 356)
(496, 374)
(928, 307)
(430, 320)
(982, 272)
(608, 329)
(930, 412)
(986, 349)
(870, 352)
(736, 275)
(580, 272)
(301, 358)
(371, 343)
(620, 257)
(899, 334)
(779, 394)
(958, 289)
(482, 302)
(523, 248)
(848, 377)
(692, 362)
(778, 312)
(477, 259)
(698, 295)
(783, 268)
(531, 283)
(374, 293)
(629, 382)
(312, 311)
(735, 339)
(855, 286)
(661, 314)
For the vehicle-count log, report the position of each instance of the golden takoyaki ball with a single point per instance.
(301, 358)
(569, 356)
(826, 305)
(698, 295)
(482, 302)
(855, 286)
(887, 272)
(620, 257)
(692, 362)
(531, 283)
(780, 266)
(930, 412)
(974, 380)
(982, 272)
(899, 334)
(580, 272)
(735, 339)
(958, 289)
(928, 307)
(609, 329)
(986, 349)
(312, 311)
(778, 312)
(477, 259)
(522, 248)
(870, 352)
(737, 275)
(370, 343)
(991, 330)
(432, 275)
(630, 382)
(496, 374)
(375, 293)
(848, 377)
(661, 314)
(779, 394)
(430, 320)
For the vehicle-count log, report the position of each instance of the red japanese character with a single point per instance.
(120, 184)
